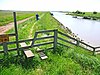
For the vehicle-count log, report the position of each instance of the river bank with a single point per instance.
(68, 31)
(86, 15)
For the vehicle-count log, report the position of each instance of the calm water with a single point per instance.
(87, 30)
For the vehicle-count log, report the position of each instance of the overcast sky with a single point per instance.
(50, 5)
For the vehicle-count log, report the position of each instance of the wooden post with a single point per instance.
(34, 39)
(77, 42)
(55, 39)
(16, 32)
(5, 48)
(93, 51)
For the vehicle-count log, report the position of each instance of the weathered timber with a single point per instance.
(28, 53)
(42, 55)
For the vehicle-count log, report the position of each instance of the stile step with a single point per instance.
(42, 55)
(28, 53)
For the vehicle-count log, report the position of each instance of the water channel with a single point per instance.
(87, 30)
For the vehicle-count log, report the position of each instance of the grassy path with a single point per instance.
(31, 30)
(9, 26)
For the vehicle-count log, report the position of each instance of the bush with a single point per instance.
(78, 12)
(83, 12)
(94, 12)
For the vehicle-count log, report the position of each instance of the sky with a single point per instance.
(50, 5)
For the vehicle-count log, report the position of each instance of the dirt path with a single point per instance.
(9, 26)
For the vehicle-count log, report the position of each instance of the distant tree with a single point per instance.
(94, 12)
(78, 12)
(73, 12)
(83, 12)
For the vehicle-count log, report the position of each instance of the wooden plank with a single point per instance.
(1, 51)
(21, 41)
(66, 41)
(42, 55)
(97, 52)
(67, 36)
(43, 44)
(28, 53)
(86, 44)
(23, 44)
(39, 50)
(45, 37)
(44, 31)
(97, 47)
(13, 34)
(74, 39)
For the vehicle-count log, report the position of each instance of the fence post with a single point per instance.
(32, 45)
(16, 32)
(77, 42)
(93, 51)
(55, 39)
(5, 48)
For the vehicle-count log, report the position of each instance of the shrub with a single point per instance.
(83, 12)
(94, 12)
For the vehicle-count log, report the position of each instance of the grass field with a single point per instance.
(66, 61)
(7, 16)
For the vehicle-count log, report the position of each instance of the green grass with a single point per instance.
(66, 61)
(7, 16)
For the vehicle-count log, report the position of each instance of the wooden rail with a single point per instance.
(54, 42)
(66, 41)
(5, 45)
(78, 42)
(74, 39)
